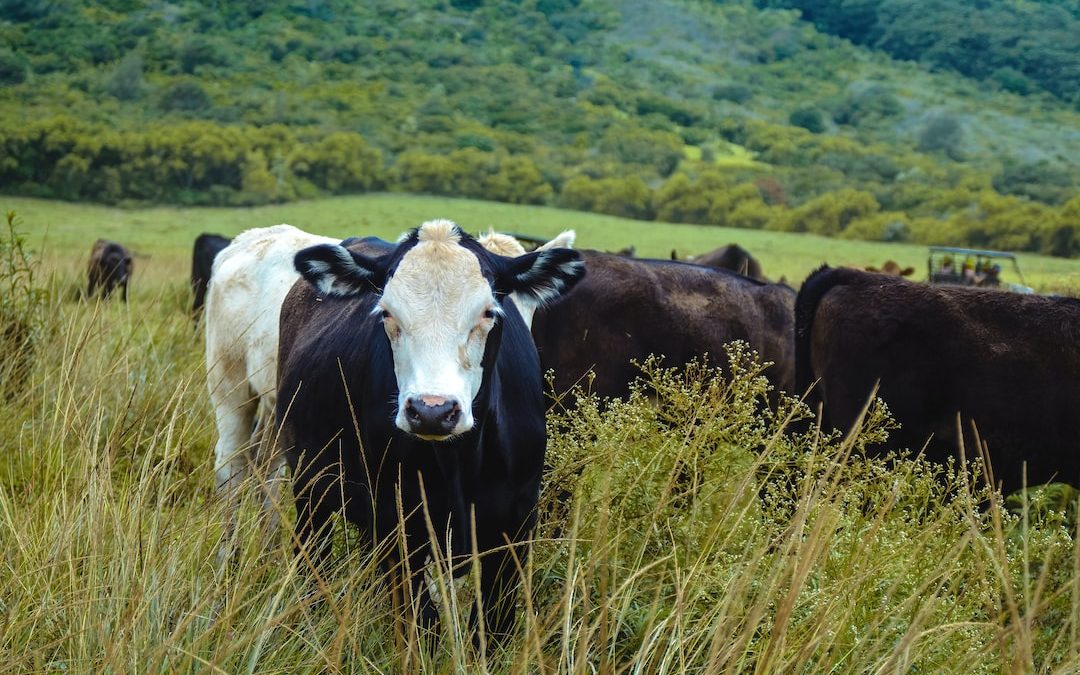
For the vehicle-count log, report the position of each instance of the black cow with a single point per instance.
(110, 266)
(206, 248)
(626, 309)
(442, 399)
(1008, 362)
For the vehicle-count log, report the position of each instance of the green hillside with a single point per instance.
(724, 114)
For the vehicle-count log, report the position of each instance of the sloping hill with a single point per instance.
(684, 111)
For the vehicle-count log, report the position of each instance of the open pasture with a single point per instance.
(161, 237)
(686, 532)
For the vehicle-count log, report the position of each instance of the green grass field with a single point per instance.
(686, 531)
(161, 237)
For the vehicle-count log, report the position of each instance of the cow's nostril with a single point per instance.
(453, 414)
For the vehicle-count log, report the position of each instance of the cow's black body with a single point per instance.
(626, 309)
(1009, 362)
(334, 352)
(206, 248)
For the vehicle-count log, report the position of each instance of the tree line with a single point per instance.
(202, 163)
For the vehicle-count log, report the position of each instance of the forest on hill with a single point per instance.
(739, 113)
(1019, 46)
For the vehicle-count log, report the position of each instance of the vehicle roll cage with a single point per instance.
(982, 259)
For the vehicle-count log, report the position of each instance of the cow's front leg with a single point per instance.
(316, 502)
(498, 593)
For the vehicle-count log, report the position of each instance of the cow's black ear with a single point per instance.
(335, 270)
(542, 275)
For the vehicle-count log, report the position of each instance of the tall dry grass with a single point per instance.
(685, 530)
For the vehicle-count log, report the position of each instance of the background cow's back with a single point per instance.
(731, 257)
(110, 266)
(206, 248)
(626, 309)
(1009, 362)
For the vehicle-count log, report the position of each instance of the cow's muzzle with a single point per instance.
(432, 417)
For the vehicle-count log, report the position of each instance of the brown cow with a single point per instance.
(1008, 362)
(731, 257)
(892, 268)
(628, 308)
(110, 266)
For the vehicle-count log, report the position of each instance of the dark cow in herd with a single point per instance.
(731, 257)
(110, 267)
(411, 377)
(1007, 362)
(206, 248)
(628, 308)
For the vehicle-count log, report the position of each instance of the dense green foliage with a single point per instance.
(1018, 46)
(692, 112)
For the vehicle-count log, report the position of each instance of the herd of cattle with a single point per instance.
(401, 381)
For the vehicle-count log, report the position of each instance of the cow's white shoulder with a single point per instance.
(248, 283)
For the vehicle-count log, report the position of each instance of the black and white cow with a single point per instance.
(411, 379)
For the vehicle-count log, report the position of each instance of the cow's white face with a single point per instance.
(437, 309)
(438, 306)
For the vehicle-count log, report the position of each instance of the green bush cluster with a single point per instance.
(203, 162)
(192, 162)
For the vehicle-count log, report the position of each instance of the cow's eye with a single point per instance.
(489, 313)
(385, 315)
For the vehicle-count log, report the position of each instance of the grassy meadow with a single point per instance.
(700, 532)
(161, 237)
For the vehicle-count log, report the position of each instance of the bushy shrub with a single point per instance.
(629, 197)
(1064, 236)
(126, 81)
(1045, 181)
(734, 92)
(12, 67)
(660, 150)
(339, 163)
(678, 112)
(518, 181)
(199, 51)
(872, 104)
(185, 96)
(682, 199)
(809, 118)
(886, 226)
(830, 214)
(1012, 80)
(942, 132)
